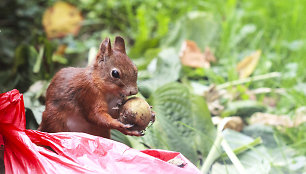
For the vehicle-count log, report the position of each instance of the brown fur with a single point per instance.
(85, 99)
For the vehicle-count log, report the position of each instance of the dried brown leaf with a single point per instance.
(247, 66)
(192, 56)
(271, 119)
(61, 49)
(276, 120)
(300, 116)
(234, 123)
(212, 97)
(61, 19)
(209, 56)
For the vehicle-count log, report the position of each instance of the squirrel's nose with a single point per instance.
(133, 91)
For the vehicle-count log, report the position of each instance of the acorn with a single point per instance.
(137, 112)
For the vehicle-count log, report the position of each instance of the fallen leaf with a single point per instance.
(61, 49)
(247, 66)
(215, 107)
(212, 94)
(268, 90)
(276, 120)
(192, 56)
(61, 19)
(300, 116)
(271, 119)
(212, 97)
(58, 54)
(234, 123)
(267, 100)
(208, 55)
(177, 161)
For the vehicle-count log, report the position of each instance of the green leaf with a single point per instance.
(205, 130)
(265, 132)
(182, 124)
(197, 26)
(149, 55)
(167, 70)
(141, 46)
(39, 59)
(118, 136)
(59, 59)
(21, 71)
(243, 108)
(31, 122)
(32, 103)
(260, 159)
(20, 52)
(254, 161)
(163, 23)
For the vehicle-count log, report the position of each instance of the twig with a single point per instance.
(228, 150)
(213, 154)
(249, 79)
(246, 147)
(268, 90)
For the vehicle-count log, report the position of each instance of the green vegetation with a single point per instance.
(154, 32)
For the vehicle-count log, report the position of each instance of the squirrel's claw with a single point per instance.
(134, 133)
(124, 128)
(127, 126)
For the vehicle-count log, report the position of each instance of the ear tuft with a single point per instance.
(105, 47)
(119, 44)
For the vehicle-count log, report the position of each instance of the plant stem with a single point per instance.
(228, 150)
(249, 79)
(213, 154)
(245, 147)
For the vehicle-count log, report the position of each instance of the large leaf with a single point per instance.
(118, 136)
(266, 133)
(262, 159)
(205, 130)
(172, 106)
(284, 159)
(166, 70)
(243, 108)
(183, 122)
(255, 161)
(196, 26)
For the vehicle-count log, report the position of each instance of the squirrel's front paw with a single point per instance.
(125, 129)
(133, 133)
(127, 126)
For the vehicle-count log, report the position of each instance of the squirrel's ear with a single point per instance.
(119, 44)
(105, 47)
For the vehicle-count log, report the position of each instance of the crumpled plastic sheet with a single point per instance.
(31, 151)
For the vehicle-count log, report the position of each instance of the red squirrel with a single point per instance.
(88, 99)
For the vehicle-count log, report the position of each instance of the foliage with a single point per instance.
(183, 124)
(154, 31)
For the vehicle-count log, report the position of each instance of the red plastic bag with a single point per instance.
(29, 151)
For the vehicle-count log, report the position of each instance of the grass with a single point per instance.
(276, 27)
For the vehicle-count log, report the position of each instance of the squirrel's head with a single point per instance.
(115, 69)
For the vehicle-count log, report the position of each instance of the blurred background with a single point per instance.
(199, 61)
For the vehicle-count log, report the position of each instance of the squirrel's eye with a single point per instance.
(115, 73)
